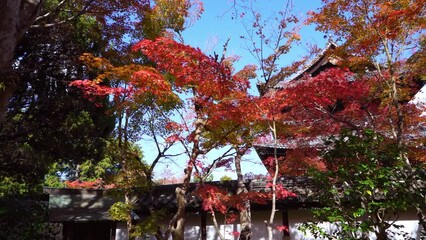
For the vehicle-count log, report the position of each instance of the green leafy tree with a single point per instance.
(22, 15)
(365, 188)
(56, 125)
(138, 111)
(371, 167)
(45, 126)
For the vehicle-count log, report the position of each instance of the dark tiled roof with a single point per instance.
(267, 148)
(164, 196)
(79, 205)
(302, 186)
(320, 60)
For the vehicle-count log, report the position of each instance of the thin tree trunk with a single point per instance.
(394, 95)
(422, 221)
(270, 223)
(15, 19)
(127, 201)
(216, 225)
(125, 158)
(245, 214)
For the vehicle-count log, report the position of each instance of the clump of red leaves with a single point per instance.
(96, 184)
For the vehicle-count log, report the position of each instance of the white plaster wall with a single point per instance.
(259, 228)
(121, 232)
(295, 218)
(192, 227)
(259, 231)
(410, 225)
(408, 221)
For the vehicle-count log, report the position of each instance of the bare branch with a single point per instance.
(50, 12)
(82, 11)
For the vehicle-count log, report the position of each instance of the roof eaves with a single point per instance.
(301, 72)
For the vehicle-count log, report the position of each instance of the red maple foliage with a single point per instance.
(218, 199)
(314, 108)
(96, 184)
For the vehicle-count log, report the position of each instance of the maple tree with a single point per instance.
(369, 91)
(218, 199)
(48, 126)
(346, 101)
(213, 90)
(253, 111)
(235, 132)
(217, 102)
(141, 101)
(145, 84)
(268, 45)
(382, 35)
(346, 98)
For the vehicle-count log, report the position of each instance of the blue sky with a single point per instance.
(216, 25)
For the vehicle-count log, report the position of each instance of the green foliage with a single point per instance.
(171, 15)
(119, 211)
(10, 187)
(207, 178)
(366, 187)
(149, 225)
(225, 178)
(19, 175)
(53, 177)
(105, 168)
(366, 148)
(53, 180)
(87, 30)
(47, 122)
(49, 128)
(88, 170)
(51, 132)
(130, 174)
(23, 218)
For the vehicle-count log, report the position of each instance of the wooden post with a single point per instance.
(284, 212)
(203, 226)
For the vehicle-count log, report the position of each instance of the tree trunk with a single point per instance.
(127, 201)
(216, 226)
(15, 19)
(178, 227)
(177, 224)
(245, 214)
(381, 234)
(422, 221)
(270, 223)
